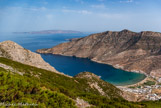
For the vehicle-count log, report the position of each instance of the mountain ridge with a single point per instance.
(130, 51)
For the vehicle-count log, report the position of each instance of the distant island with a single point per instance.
(49, 32)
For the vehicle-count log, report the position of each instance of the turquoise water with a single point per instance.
(72, 65)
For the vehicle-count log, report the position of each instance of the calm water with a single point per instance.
(72, 65)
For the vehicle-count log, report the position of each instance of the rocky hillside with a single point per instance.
(131, 51)
(94, 82)
(13, 51)
(48, 89)
(42, 88)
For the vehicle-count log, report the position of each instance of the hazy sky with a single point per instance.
(81, 15)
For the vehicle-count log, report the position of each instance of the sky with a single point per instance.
(80, 15)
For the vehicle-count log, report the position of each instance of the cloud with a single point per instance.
(49, 16)
(77, 11)
(45, 2)
(100, 6)
(126, 1)
(37, 9)
(110, 15)
(27, 9)
(80, 1)
(101, 0)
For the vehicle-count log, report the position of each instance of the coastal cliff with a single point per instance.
(130, 51)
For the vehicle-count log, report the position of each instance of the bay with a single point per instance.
(72, 65)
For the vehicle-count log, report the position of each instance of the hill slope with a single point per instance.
(12, 50)
(44, 88)
(21, 83)
(131, 51)
(31, 83)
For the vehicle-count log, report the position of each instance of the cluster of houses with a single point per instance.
(148, 92)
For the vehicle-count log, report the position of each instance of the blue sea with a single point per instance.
(72, 65)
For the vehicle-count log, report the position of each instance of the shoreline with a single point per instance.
(119, 67)
(128, 85)
(116, 67)
(136, 84)
(137, 91)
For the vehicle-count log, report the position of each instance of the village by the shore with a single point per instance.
(148, 89)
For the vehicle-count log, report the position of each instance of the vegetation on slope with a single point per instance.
(17, 89)
(56, 82)
(48, 89)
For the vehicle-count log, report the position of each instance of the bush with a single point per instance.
(19, 89)
(149, 83)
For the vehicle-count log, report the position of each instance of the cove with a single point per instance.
(73, 65)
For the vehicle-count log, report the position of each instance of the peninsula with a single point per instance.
(127, 50)
(50, 32)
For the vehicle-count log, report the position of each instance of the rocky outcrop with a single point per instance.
(131, 51)
(92, 81)
(80, 103)
(102, 87)
(13, 51)
(7, 67)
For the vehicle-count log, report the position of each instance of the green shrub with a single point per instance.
(149, 83)
(18, 89)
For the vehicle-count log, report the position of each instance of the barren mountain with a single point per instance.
(131, 51)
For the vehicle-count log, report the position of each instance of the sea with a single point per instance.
(72, 65)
